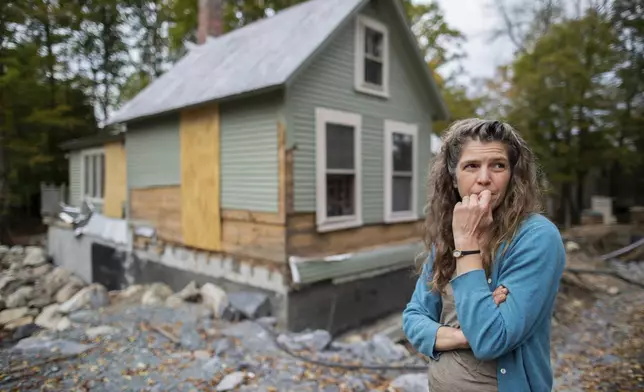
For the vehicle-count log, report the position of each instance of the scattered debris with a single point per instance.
(68, 335)
(35, 292)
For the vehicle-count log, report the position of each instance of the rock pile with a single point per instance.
(35, 294)
(33, 291)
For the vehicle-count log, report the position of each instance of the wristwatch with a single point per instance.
(460, 253)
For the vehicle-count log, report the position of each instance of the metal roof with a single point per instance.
(260, 55)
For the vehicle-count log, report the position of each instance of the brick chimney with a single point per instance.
(211, 19)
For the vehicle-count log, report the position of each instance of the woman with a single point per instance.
(483, 231)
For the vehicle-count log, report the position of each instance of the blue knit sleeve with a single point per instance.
(531, 271)
(421, 315)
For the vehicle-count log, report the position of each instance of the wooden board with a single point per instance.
(257, 235)
(115, 180)
(281, 161)
(161, 207)
(252, 216)
(201, 220)
(305, 241)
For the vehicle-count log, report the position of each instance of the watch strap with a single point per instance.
(460, 253)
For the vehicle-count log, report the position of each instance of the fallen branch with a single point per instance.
(10, 375)
(166, 334)
(604, 272)
(622, 251)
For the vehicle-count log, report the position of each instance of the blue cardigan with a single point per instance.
(516, 333)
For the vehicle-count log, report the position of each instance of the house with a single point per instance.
(97, 172)
(289, 156)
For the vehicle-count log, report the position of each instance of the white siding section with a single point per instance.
(75, 178)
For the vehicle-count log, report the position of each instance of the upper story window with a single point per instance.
(93, 175)
(339, 169)
(372, 57)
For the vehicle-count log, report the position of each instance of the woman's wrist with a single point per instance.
(460, 339)
(466, 243)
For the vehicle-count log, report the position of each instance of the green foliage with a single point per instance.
(574, 89)
(442, 45)
(40, 104)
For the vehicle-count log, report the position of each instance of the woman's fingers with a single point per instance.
(500, 295)
(484, 199)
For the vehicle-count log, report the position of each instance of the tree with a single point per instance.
(627, 17)
(441, 45)
(182, 15)
(561, 100)
(526, 21)
(40, 103)
(100, 51)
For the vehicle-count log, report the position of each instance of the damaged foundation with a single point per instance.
(335, 293)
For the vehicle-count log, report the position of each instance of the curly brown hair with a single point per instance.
(522, 198)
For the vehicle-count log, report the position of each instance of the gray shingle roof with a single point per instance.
(257, 57)
(261, 55)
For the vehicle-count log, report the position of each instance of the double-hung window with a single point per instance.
(93, 175)
(339, 169)
(371, 57)
(401, 171)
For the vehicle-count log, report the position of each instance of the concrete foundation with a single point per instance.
(74, 253)
(334, 305)
(339, 307)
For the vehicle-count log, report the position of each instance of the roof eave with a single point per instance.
(441, 112)
(90, 141)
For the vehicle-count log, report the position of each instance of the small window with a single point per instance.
(401, 171)
(338, 165)
(372, 57)
(93, 169)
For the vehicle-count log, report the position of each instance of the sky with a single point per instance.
(475, 18)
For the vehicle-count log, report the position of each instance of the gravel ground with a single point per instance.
(597, 344)
(131, 356)
(601, 347)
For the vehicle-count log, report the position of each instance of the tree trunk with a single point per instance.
(581, 179)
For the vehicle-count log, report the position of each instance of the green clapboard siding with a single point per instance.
(249, 160)
(328, 82)
(75, 178)
(153, 153)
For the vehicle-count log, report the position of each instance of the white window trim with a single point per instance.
(84, 153)
(410, 129)
(362, 22)
(322, 117)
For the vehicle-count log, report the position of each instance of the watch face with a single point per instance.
(457, 253)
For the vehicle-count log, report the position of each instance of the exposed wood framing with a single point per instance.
(200, 178)
(254, 235)
(305, 241)
(251, 216)
(160, 207)
(115, 180)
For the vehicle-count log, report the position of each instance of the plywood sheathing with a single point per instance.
(115, 180)
(160, 207)
(200, 178)
(305, 241)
